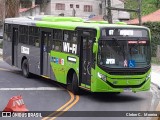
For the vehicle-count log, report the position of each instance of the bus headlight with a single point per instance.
(148, 76)
(101, 76)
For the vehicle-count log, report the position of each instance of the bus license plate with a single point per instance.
(127, 90)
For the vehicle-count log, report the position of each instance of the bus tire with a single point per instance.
(73, 85)
(25, 68)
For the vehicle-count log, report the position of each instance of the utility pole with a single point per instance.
(138, 10)
(109, 12)
(103, 2)
(104, 7)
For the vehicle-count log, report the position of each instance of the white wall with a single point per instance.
(118, 14)
(51, 8)
(79, 11)
(117, 4)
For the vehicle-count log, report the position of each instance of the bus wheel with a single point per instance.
(73, 85)
(25, 68)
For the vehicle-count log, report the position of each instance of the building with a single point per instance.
(152, 17)
(78, 8)
(116, 15)
(85, 8)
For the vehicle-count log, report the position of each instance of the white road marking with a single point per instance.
(3, 69)
(38, 88)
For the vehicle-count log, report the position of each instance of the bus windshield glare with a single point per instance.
(124, 48)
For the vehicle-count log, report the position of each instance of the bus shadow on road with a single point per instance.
(36, 78)
(115, 97)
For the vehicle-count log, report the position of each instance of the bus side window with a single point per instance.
(66, 36)
(7, 32)
(74, 37)
(23, 34)
(57, 34)
(37, 40)
(57, 40)
(70, 36)
(34, 36)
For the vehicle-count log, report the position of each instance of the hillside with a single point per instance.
(148, 6)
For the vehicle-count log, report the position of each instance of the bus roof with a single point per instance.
(68, 23)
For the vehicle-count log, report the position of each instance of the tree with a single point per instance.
(157, 3)
(26, 3)
(12, 8)
(1, 12)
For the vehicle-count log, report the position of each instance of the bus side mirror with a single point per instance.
(95, 47)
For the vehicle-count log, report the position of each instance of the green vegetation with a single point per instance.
(148, 6)
(155, 30)
(155, 60)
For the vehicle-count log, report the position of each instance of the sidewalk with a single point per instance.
(155, 75)
(1, 52)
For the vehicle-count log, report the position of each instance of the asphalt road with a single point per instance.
(40, 94)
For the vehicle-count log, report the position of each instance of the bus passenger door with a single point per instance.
(45, 58)
(86, 60)
(15, 46)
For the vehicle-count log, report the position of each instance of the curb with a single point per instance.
(154, 80)
(156, 85)
(1, 53)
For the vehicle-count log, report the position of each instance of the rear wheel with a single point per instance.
(25, 68)
(73, 85)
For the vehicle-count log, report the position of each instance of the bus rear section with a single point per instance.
(123, 60)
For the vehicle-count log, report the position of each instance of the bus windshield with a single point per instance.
(130, 49)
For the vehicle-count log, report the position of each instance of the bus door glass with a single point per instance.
(15, 46)
(86, 58)
(45, 66)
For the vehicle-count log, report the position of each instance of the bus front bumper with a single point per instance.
(103, 86)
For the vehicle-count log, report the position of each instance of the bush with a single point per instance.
(155, 35)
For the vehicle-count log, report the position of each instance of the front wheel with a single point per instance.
(73, 85)
(25, 69)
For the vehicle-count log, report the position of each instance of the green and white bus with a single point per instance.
(95, 56)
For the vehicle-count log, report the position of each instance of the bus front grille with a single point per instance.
(126, 73)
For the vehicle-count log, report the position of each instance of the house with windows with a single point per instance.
(152, 17)
(85, 8)
(78, 8)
